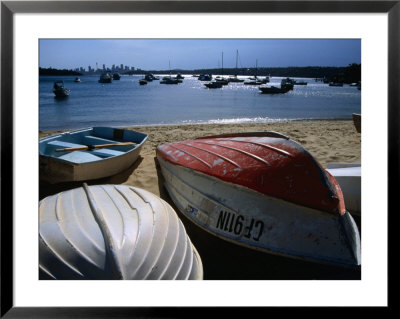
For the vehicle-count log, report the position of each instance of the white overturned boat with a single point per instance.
(88, 154)
(262, 191)
(113, 232)
(348, 175)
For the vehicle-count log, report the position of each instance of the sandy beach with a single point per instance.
(327, 140)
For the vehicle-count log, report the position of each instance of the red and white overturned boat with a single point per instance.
(263, 191)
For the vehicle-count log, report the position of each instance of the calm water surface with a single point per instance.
(126, 103)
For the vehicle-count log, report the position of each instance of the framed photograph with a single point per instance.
(183, 41)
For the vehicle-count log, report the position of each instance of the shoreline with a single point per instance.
(202, 123)
(327, 140)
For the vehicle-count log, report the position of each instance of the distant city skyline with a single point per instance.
(191, 54)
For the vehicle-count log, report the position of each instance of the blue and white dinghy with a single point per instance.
(113, 232)
(88, 154)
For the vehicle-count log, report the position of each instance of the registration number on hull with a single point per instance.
(238, 225)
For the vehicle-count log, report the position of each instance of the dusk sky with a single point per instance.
(195, 54)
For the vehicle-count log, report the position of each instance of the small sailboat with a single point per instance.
(254, 80)
(169, 79)
(221, 79)
(235, 79)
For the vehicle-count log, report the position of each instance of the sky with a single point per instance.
(191, 54)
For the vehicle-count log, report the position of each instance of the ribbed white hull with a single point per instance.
(113, 232)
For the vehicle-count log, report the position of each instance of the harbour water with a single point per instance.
(127, 103)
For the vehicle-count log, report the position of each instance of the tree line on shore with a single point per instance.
(349, 74)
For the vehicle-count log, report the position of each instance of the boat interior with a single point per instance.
(89, 138)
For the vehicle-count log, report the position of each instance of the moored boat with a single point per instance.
(254, 81)
(205, 77)
(113, 232)
(300, 82)
(169, 80)
(105, 78)
(214, 85)
(273, 90)
(235, 79)
(287, 83)
(348, 175)
(222, 80)
(116, 76)
(59, 90)
(88, 154)
(262, 191)
(142, 82)
(338, 84)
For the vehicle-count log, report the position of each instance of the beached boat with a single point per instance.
(273, 90)
(59, 90)
(357, 121)
(348, 175)
(88, 154)
(105, 78)
(113, 232)
(214, 85)
(262, 191)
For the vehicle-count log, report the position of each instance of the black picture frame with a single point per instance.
(9, 8)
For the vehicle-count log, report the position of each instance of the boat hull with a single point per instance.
(263, 191)
(113, 232)
(349, 178)
(70, 167)
(357, 121)
(248, 218)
